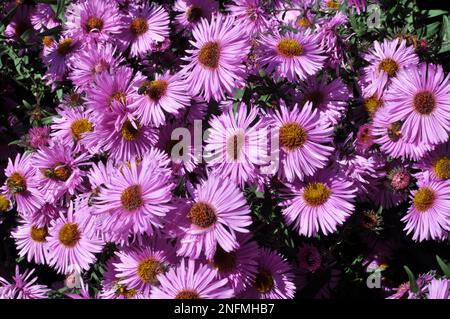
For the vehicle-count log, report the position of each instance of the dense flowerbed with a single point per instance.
(238, 149)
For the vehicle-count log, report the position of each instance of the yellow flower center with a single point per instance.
(442, 167)
(149, 269)
(69, 235)
(38, 234)
(202, 215)
(156, 89)
(118, 96)
(131, 198)
(303, 22)
(79, 127)
(129, 132)
(224, 261)
(16, 183)
(424, 102)
(333, 4)
(289, 48)
(94, 23)
(65, 46)
(193, 13)
(47, 41)
(187, 294)
(372, 104)
(316, 194)
(127, 293)
(389, 66)
(209, 55)
(424, 199)
(263, 281)
(139, 26)
(4, 203)
(394, 131)
(60, 172)
(292, 136)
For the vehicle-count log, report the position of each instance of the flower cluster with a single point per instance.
(301, 140)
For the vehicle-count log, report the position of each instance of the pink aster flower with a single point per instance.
(21, 184)
(59, 171)
(420, 97)
(404, 290)
(190, 12)
(239, 266)
(191, 281)
(137, 198)
(439, 289)
(385, 61)
(274, 278)
(236, 144)
(23, 286)
(44, 215)
(43, 17)
(118, 87)
(389, 134)
(71, 126)
(94, 60)
(166, 93)
(139, 268)
(120, 135)
(428, 216)
(293, 55)
(142, 28)
(334, 45)
(215, 63)
(362, 171)
(59, 56)
(71, 243)
(302, 140)
(249, 13)
(436, 163)
(364, 137)
(39, 136)
(31, 241)
(90, 20)
(217, 212)
(320, 204)
(114, 288)
(329, 98)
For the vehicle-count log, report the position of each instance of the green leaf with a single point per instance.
(238, 94)
(412, 280)
(27, 105)
(380, 210)
(47, 120)
(60, 8)
(436, 13)
(16, 142)
(431, 29)
(444, 266)
(445, 35)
